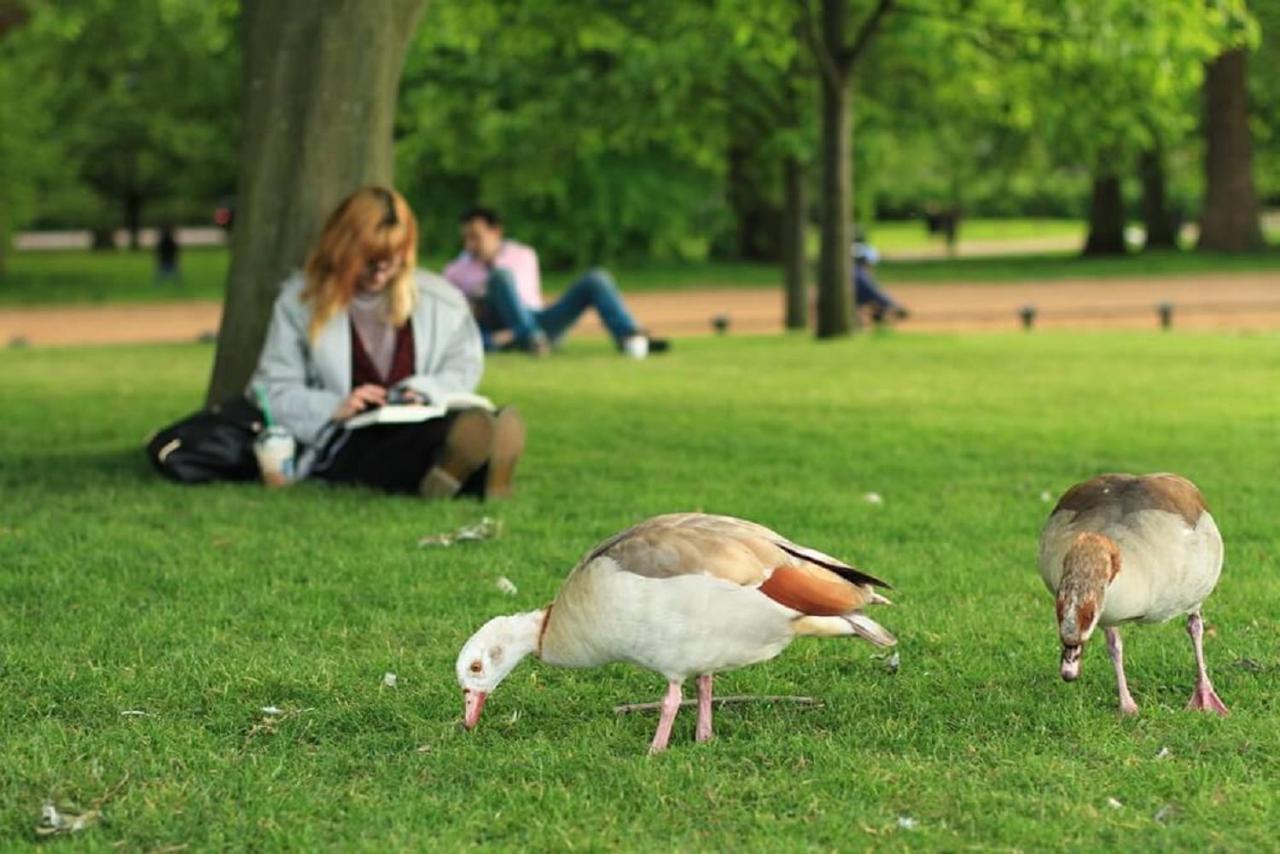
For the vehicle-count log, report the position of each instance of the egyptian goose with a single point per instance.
(685, 594)
(1121, 548)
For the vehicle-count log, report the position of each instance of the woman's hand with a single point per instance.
(360, 399)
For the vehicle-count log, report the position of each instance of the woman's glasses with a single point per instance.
(383, 267)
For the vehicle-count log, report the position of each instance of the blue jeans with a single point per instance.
(867, 292)
(594, 290)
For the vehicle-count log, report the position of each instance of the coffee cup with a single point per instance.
(274, 449)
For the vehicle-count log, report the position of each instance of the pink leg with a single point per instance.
(704, 707)
(670, 705)
(1116, 648)
(1203, 698)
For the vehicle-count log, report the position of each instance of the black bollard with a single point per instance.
(720, 323)
(1028, 315)
(1165, 309)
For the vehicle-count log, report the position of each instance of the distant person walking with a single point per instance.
(944, 221)
(867, 293)
(167, 252)
(501, 280)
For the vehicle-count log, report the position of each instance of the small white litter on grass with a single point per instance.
(873, 498)
(389, 679)
(54, 821)
(272, 710)
(506, 585)
(1165, 813)
(906, 822)
(486, 529)
(133, 713)
(1114, 804)
(1164, 753)
(891, 661)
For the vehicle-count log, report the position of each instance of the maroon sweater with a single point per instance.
(362, 367)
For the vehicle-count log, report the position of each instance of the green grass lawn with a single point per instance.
(905, 235)
(200, 606)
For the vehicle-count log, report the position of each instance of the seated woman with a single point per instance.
(362, 326)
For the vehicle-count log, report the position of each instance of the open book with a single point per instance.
(409, 413)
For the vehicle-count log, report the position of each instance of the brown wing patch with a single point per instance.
(1129, 493)
(813, 590)
(1174, 494)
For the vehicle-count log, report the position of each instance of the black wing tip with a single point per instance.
(848, 573)
(863, 578)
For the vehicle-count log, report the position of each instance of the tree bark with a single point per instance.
(794, 226)
(320, 83)
(835, 265)
(758, 220)
(836, 59)
(1230, 221)
(5, 238)
(1106, 218)
(1162, 227)
(133, 218)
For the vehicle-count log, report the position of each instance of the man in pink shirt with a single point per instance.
(501, 279)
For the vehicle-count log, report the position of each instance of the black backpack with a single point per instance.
(212, 444)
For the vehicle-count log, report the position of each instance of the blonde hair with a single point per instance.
(372, 224)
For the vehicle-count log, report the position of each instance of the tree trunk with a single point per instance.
(1106, 218)
(1162, 229)
(320, 82)
(5, 239)
(835, 266)
(795, 220)
(758, 220)
(1229, 222)
(133, 218)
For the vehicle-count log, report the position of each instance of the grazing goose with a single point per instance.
(685, 594)
(1121, 548)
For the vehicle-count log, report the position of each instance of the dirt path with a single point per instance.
(1236, 301)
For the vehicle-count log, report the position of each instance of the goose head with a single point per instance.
(491, 654)
(1090, 564)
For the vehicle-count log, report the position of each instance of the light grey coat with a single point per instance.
(305, 381)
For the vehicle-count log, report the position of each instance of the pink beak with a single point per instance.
(472, 704)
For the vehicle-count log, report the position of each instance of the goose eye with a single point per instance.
(476, 666)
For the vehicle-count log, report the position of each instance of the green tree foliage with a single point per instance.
(28, 151)
(143, 96)
(1264, 99)
(596, 128)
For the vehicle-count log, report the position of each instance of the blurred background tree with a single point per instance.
(657, 131)
(140, 96)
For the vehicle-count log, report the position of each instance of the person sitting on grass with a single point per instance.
(500, 278)
(867, 293)
(361, 327)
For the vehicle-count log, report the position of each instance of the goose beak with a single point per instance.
(1071, 662)
(472, 704)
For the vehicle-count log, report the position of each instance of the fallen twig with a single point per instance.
(721, 701)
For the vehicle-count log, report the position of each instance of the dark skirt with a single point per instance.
(391, 457)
